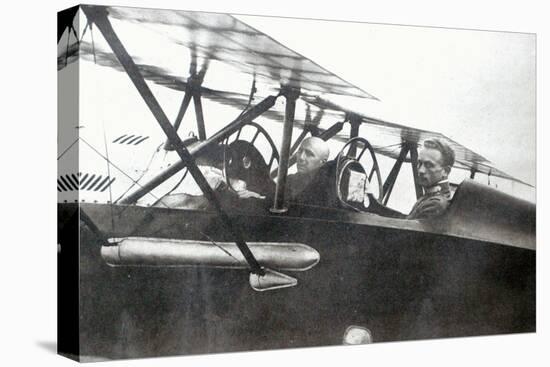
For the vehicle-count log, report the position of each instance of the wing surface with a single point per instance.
(393, 135)
(222, 38)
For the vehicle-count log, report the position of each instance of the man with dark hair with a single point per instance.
(435, 161)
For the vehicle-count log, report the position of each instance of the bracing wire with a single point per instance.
(105, 141)
(118, 168)
(66, 150)
(107, 160)
(250, 97)
(173, 188)
(141, 176)
(109, 175)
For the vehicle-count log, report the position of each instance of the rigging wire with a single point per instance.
(217, 245)
(109, 162)
(250, 97)
(142, 174)
(118, 168)
(88, 24)
(109, 176)
(102, 117)
(66, 150)
(172, 190)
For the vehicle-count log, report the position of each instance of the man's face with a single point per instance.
(430, 170)
(310, 157)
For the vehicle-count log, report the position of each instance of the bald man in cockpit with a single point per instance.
(311, 159)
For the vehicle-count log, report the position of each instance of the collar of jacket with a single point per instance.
(440, 187)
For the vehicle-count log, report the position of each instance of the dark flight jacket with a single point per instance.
(432, 204)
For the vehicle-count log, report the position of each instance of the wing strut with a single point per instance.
(192, 91)
(291, 95)
(390, 180)
(199, 114)
(181, 113)
(414, 164)
(99, 16)
(407, 148)
(355, 122)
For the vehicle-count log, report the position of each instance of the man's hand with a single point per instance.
(245, 194)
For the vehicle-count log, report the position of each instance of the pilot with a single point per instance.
(435, 161)
(308, 184)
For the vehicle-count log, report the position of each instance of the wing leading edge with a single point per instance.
(225, 39)
(465, 158)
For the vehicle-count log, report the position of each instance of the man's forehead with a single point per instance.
(429, 154)
(313, 145)
(306, 145)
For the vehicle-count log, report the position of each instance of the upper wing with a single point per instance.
(209, 38)
(394, 134)
(220, 44)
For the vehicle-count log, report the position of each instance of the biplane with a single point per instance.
(159, 255)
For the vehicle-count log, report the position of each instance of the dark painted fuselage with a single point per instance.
(392, 276)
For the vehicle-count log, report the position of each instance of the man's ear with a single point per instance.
(447, 170)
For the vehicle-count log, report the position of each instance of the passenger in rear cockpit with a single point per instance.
(237, 171)
(248, 172)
